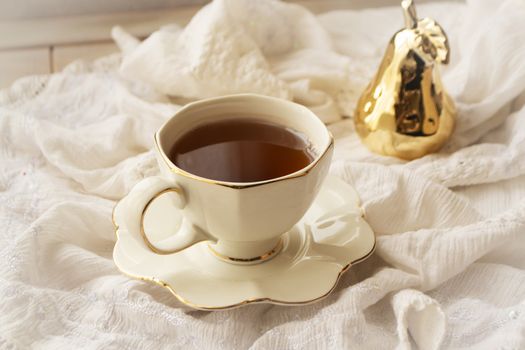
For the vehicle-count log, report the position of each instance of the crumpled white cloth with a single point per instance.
(232, 46)
(448, 271)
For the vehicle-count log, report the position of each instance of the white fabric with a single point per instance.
(266, 47)
(448, 271)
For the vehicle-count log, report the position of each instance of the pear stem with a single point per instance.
(409, 10)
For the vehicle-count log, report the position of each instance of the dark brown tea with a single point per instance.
(241, 150)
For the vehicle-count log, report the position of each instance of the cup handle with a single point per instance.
(140, 198)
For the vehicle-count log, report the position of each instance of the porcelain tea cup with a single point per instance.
(243, 221)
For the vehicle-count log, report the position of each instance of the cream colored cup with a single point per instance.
(243, 221)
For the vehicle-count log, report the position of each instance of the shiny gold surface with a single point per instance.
(266, 256)
(405, 111)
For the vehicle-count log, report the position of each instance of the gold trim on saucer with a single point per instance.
(244, 302)
(143, 232)
(266, 256)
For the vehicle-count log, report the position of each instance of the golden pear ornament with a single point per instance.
(405, 111)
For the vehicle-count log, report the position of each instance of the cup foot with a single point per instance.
(267, 255)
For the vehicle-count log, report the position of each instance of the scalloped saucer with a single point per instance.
(331, 237)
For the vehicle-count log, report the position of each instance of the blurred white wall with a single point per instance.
(18, 9)
(21, 9)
